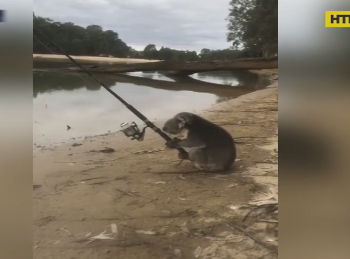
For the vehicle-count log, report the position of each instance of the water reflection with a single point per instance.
(51, 82)
(234, 78)
(220, 86)
(75, 99)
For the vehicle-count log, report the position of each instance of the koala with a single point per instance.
(209, 147)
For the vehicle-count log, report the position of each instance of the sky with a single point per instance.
(179, 24)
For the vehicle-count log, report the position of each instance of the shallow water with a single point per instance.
(78, 101)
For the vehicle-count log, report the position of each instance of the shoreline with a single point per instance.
(91, 58)
(138, 188)
(270, 74)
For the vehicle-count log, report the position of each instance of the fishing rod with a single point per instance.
(129, 129)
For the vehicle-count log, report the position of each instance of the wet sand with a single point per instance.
(161, 211)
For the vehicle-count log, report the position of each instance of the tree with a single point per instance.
(93, 40)
(150, 51)
(205, 54)
(150, 47)
(253, 26)
(76, 40)
(165, 54)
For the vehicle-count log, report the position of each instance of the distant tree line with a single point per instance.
(151, 52)
(77, 40)
(252, 29)
(253, 26)
(94, 41)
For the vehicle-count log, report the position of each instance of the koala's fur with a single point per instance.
(209, 147)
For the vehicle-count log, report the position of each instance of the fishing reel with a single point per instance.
(131, 130)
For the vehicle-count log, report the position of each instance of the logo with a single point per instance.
(2, 15)
(337, 18)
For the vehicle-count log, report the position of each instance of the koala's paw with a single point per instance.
(172, 143)
(182, 155)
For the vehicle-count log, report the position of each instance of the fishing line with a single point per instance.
(133, 129)
(51, 51)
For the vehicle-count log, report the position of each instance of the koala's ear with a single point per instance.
(185, 118)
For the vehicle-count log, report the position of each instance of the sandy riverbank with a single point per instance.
(91, 59)
(161, 211)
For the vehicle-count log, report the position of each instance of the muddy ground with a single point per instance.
(158, 210)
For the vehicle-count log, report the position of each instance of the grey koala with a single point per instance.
(208, 146)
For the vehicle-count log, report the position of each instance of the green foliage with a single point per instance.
(151, 52)
(253, 25)
(207, 54)
(94, 41)
(77, 40)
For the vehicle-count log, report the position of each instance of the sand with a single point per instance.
(161, 211)
(91, 59)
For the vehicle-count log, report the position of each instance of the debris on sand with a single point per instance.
(102, 236)
(76, 144)
(45, 220)
(198, 252)
(146, 232)
(160, 182)
(114, 228)
(148, 151)
(36, 186)
(65, 230)
(105, 150)
(178, 253)
(269, 199)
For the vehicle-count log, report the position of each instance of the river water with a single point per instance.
(78, 101)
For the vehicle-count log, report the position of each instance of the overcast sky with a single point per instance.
(179, 24)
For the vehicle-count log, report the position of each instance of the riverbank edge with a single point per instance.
(64, 199)
(91, 58)
(269, 74)
(116, 136)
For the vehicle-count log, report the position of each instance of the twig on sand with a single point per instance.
(65, 162)
(185, 212)
(226, 123)
(260, 110)
(175, 172)
(54, 193)
(115, 244)
(179, 163)
(36, 186)
(248, 214)
(89, 161)
(269, 247)
(127, 193)
(267, 210)
(246, 138)
(107, 181)
(241, 142)
(268, 220)
(270, 199)
(101, 182)
(182, 177)
(93, 178)
(263, 256)
(110, 160)
(65, 230)
(249, 137)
